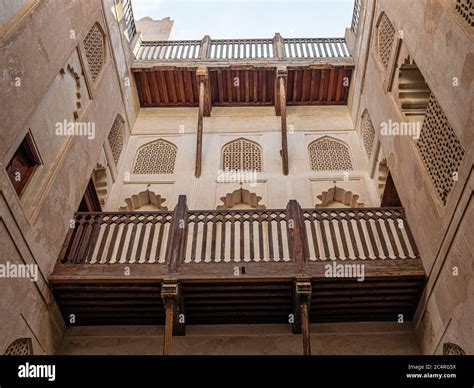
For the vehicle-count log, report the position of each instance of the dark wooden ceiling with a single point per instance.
(249, 86)
(318, 86)
(167, 88)
(242, 87)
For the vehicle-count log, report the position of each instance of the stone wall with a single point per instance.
(46, 79)
(441, 43)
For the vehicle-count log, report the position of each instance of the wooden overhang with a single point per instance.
(259, 266)
(243, 72)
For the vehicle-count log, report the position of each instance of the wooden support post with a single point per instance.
(177, 234)
(298, 242)
(305, 328)
(204, 111)
(174, 313)
(278, 46)
(280, 109)
(168, 336)
(301, 306)
(204, 50)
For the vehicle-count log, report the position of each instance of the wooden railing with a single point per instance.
(316, 48)
(129, 18)
(355, 16)
(209, 49)
(169, 50)
(292, 235)
(241, 49)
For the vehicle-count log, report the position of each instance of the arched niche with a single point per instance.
(241, 199)
(144, 201)
(338, 197)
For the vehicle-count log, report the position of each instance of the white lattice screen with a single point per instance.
(94, 47)
(329, 155)
(242, 154)
(116, 136)
(158, 157)
(368, 132)
(440, 149)
(385, 39)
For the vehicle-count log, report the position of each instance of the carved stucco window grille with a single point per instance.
(368, 133)
(466, 9)
(94, 48)
(158, 157)
(384, 39)
(440, 149)
(20, 347)
(450, 349)
(327, 154)
(242, 154)
(116, 137)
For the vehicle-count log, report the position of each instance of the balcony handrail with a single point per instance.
(187, 237)
(276, 48)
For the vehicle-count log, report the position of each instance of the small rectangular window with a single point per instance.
(22, 165)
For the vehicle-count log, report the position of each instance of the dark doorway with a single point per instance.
(90, 200)
(390, 196)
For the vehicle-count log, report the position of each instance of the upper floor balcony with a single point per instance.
(316, 71)
(239, 266)
(275, 51)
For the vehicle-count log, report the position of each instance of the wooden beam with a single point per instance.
(281, 77)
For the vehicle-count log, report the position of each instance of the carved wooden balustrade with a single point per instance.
(239, 266)
(218, 237)
(229, 50)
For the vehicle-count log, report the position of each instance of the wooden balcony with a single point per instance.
(318, 71)
(251, 266)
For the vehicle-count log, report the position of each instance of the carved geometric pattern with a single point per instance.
(466, 9)
(385, 39)
(156, 158)
(94, 47)
(368, 133)
(116, 137)
(329, 155)
(439, 148)
(450, 349)
(242, 154)
(20, 347)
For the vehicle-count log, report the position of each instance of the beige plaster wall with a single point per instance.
(155, 29)
(442, 45)
(326, 339)
(178, 126)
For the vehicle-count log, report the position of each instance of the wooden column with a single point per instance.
(278, 46)
(168, 336)
(298, 243)
(177, 234)
(280, 110)
(204, 110)
(204, 50)
(301, 306)
(174, 313)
